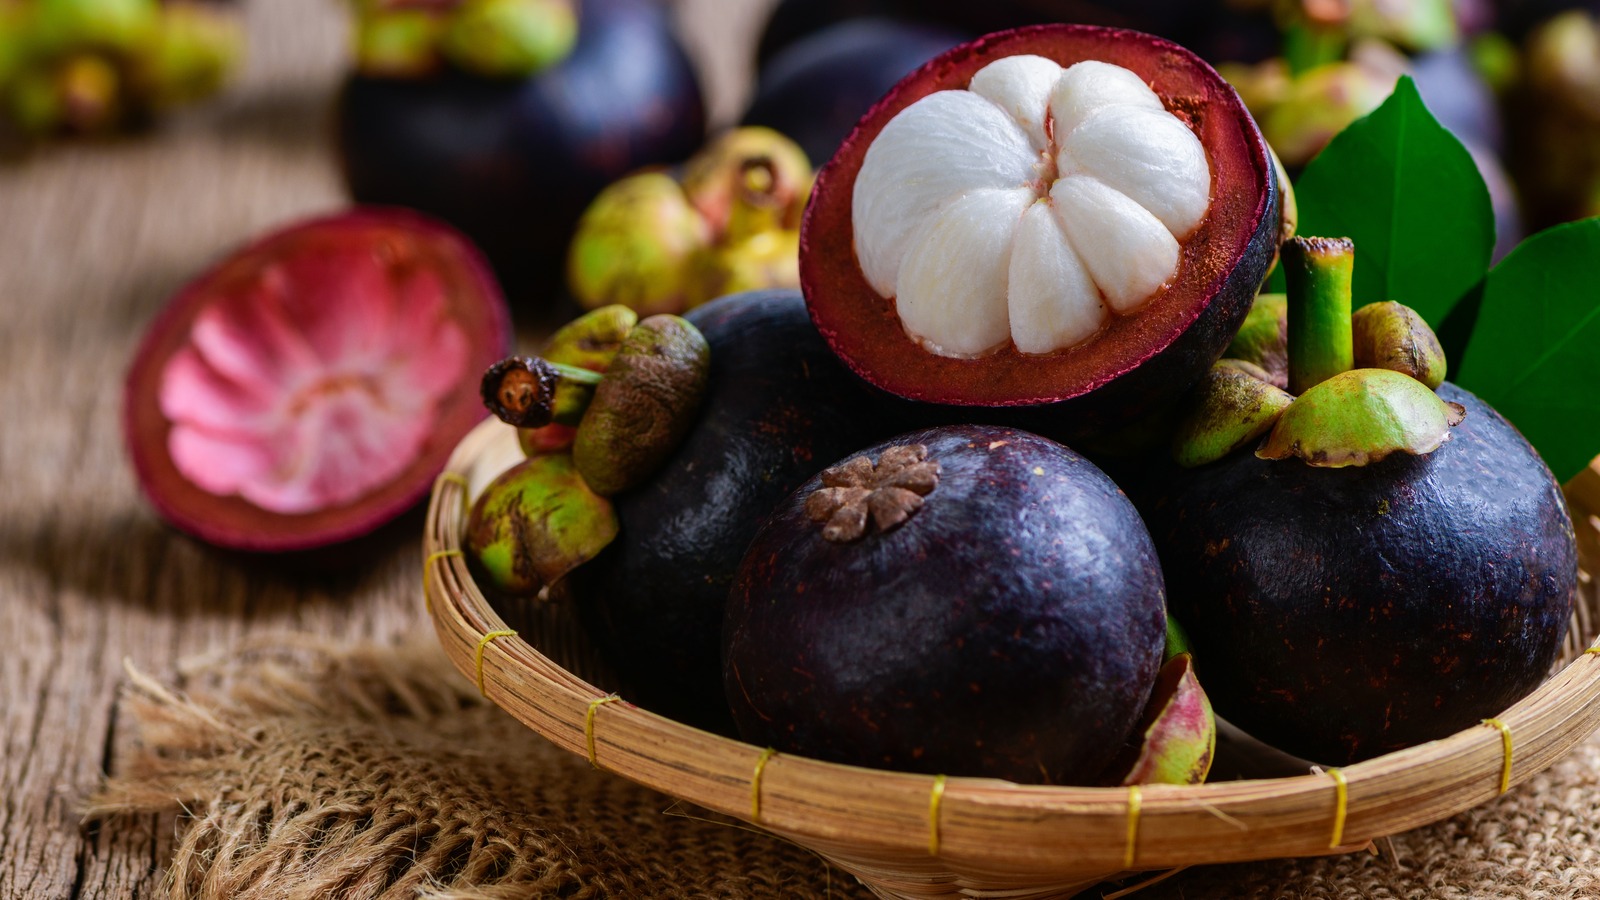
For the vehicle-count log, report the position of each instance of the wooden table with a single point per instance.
(94, 238)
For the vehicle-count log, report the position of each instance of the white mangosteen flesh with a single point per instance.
(1030, 208)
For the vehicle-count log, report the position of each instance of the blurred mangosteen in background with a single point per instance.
(1174, 19)
(1554, 113)
(98, 66)
(1335, 71)
(792, 20)
(506, 117)
(817, 88)
(1516, 18)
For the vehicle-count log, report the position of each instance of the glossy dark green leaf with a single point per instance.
(1535, 353)
(1407, 192)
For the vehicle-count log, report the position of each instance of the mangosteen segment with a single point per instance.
(1022, 208)
(942, 261)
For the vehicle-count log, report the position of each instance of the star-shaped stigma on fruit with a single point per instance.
(858, 496)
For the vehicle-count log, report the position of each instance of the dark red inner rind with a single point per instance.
(862, 327)
(475, 301)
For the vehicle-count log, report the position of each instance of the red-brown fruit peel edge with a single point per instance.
(1160, 349)
(326, 371)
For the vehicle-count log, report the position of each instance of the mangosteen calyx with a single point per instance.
(1365, 380)
(1361, 416)
(858, 496)
(1231, 407)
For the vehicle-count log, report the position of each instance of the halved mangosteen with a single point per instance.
(1063, 218)
(309, 387)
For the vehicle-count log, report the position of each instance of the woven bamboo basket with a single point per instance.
(921, 836)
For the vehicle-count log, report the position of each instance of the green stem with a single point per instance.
(530, 392)
(1317, 272)
(574, 392)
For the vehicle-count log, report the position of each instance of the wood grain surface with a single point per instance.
(93, 240)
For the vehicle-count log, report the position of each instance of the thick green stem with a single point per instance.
(530, 392)
(1317, 271)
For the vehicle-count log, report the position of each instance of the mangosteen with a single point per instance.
(512, 160)
(1390, 565)
(1066, 223)
(309, 387)
(776, 409)
(817, 88)
(964, 600)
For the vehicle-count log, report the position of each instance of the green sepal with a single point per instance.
(1227, 410)
(510, 38)
(1263, 339)
(1359, 417)
(645, 405)
(535, 523)
(1178, 735)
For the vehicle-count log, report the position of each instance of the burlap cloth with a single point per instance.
(308, 769)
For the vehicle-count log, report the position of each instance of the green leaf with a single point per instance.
(1535, 353)
(1408, 193)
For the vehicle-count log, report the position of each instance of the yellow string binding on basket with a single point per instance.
(935, 800)
(482, 643)
(459, 480)
(427, 565)
(755, 783)
(1135, 803)
(1341, 798)
(588, 725)
(1505, 746)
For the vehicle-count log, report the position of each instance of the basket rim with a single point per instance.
(965, 830)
